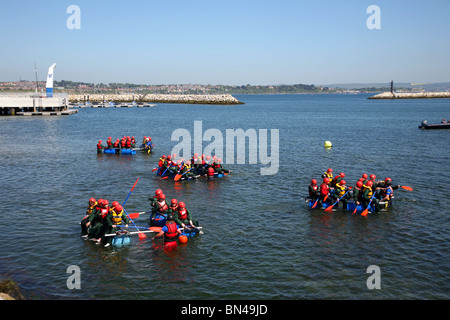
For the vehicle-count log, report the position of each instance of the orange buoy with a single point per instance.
(182, 238)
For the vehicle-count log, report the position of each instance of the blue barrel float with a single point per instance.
(121, 240)
(123, 151)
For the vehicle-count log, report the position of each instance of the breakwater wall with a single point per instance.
(226, 99)
(413, 95)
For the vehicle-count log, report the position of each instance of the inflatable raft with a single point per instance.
(350, 205)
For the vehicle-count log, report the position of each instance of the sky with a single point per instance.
(226, 42)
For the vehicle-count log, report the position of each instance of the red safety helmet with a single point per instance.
(326, 180)
(174, 202)
(342, 174)
(364, 175)
(92, 200)
(359, 184)
(181, 204)
(118, 208)
(329, 170)
(342, 182)
(162, 196)
(372, 176)
(369, 183)
(313, 181)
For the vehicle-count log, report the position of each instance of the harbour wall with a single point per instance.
(223, 99)
(412, 95)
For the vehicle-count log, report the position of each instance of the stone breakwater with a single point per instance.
(414, 95)
(158, 98)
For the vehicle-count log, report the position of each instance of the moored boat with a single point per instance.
(425, 125)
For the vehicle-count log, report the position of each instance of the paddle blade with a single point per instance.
(133, 215)
(315, 204)
(365, 212)
(142, 236)
(177, 177)
(154, 169)
(407, 188)
(166, 177)
(329, 209)
(354, 211)
(155, 229)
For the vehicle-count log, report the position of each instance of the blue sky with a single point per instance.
(227, 42)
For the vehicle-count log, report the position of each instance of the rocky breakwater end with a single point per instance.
(414, 95)
(223, 99)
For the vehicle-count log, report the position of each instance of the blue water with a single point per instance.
(260, 240)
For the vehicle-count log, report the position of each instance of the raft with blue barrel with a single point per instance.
(118, 151)
(172, 175)
(350, 205)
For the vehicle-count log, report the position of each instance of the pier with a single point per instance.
(411, 95)
(33, 104)
(219, 99)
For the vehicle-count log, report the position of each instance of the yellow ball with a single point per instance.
(328, 144)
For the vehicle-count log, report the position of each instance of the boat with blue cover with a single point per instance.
(119, 151)
(171, 174)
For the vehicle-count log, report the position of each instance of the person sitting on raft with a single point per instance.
(183, 216)
(187, 171)
(341, 190)
(216, 165)
(313, 190)
(170, 232)
(161, 207)
(324, 190)
(85, 220)
(116, 217)
(328, 174)
(367, 194)
(357, 192)
(97, 220)
(100, 147)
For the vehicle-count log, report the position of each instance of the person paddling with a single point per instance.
(161, 207)
(324, 190)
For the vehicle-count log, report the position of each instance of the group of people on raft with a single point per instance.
(102, 218)
(195, 167)
(176, 217)
(126, 142)
(367, 189)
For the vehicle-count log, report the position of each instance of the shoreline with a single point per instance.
(219, 99)
(412, 95)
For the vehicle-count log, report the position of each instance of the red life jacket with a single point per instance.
(128, 143)
(163, 208)
(182, 214)
(315, 188)
(109, 142)
(116, 144)
(210, 171)
(99, 146)
(123, 143)
(324, 189)
(171, 233)
(103, 212)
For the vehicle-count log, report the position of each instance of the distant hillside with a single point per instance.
(441, 86)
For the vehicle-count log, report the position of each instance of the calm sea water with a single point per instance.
(260, 241)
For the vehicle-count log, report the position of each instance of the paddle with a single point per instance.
(165, 171)
(330, 208)
(366, 211)
(406, 188)
(135, 215)
(315, 203)
(141, 236)
(179, 177)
